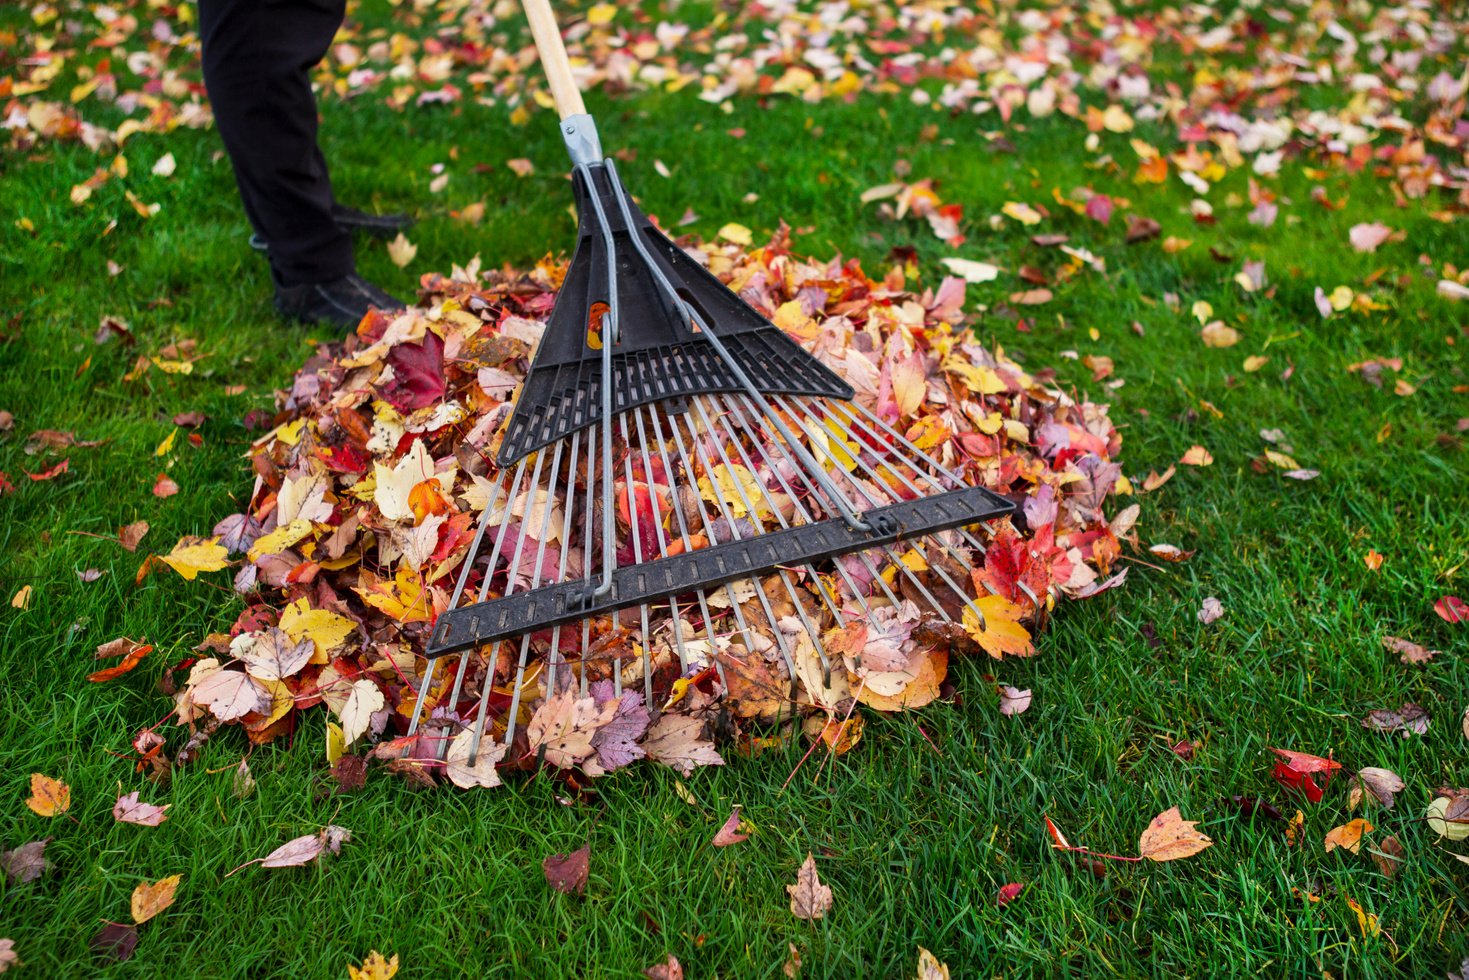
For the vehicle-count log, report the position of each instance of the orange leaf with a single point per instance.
(149, 900)
(1348, 835)
(48, 796)
(1170, 837)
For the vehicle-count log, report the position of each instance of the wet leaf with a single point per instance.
(810, 899)
(567, 873)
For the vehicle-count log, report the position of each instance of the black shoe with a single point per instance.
(342, 302)
(351, 219)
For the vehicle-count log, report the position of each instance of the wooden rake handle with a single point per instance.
(552, 51)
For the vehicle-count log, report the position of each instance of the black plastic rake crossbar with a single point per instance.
(633, 585)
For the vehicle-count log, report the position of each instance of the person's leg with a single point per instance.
(257, 58)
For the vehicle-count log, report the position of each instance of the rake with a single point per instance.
(679, 484)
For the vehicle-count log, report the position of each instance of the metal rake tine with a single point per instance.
(683, 653)
(511, 571)
(892, 555)
(586, 548)
(761, 446)
(749, 464)
(548, 507)
(734, 605)
(683, 529)
(749, 506)
(566, 508)
(637, 551)
(963, 532)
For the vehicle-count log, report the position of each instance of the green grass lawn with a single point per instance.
(916, 829)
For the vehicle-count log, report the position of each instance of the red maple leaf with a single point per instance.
(418, 374)
(1296, 772)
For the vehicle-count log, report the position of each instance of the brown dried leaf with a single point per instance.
(678, 741)
(1388, 856)
(729, 833)
(26, 863)
(1384, 784)
(810, 899)
(1408, 651)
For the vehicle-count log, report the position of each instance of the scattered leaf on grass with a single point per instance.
(1408, 651)
(1448, 816)
(1383, 784)
(130, 534)
(151, 898)
(1299, 770)
(375, 967)
(116, 940)
(194, 555)
(1452, 609)
(1388, 856)
(1210, 610)
(729, 833)
(1170, 837)
(26, 863)
(401, 251)
(22, 598)
(1348, 835)
(929, 965)
(48, 796)
(132, 654)
(1008, 893)
(1014, 701)
(1410, 719)
(128, 809)
(1197, 456)
(669, 969)
(810, 899)
(567, 873)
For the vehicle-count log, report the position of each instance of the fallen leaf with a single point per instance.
(1008, 893)
(1210, 610)
(48, 796)
(1298, 769)
(8, 956)
(929, 965)
(971, 271)
(1014, 701)
(1170, 837)
(1408, 651)
(482, 772)
(678, 741)
(164, 487)
(736, 233)
(22, 598)
(305, 849)
(1388, 856)
(567, 873)
(115, 940)
(401, 251)
(1348, 835)
(364, 699)
(729, 833)
(670, 969)
(1384, 784)
(375, 967)
(1366, 237)
(1197, 456)
(231, 694)
(130, 534)
(1367, 923)
(26, 863)
(1452, 609)
(194, 555)
(128, 809)
(150, 899)
(1410, 719)
(1372, 560)
(810, 899)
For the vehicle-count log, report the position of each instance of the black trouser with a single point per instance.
(258, 56)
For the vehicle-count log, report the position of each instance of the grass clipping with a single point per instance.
(372, 479)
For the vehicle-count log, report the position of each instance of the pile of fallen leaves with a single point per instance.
(371, 481)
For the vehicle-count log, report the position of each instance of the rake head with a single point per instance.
(681, 487)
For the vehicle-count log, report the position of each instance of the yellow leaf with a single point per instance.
(1116, 119)
(321, 626)
(290, 433)
(48, 796)
(166, 446)
(794, 321)
(729, 482)
(336, 743)
(1255, 362)
(1172, 245)
(1281, 460)
(601, 14)
(976, 377)
(736, 233)
(1216, 334)
(173, 367)
(1000, 631)
(404, 598)
(1202, 310)
(1341, 298)
(375, 967)
(22, 598)
(1021, 212)
(280, 539)
(150, 899)
(194, 555)
(401, 251)
(930, 431)
(910, 384)
(1367, 923)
